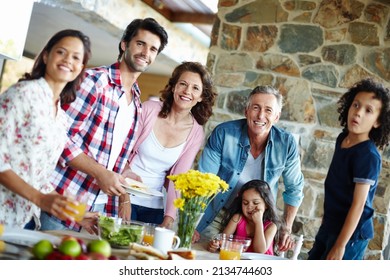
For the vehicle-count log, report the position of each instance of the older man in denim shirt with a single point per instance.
(253, 148)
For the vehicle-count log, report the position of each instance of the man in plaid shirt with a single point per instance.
(103, 120)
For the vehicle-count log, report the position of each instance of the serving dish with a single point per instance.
(120, 233)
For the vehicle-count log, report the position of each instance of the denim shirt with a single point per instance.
(226, 152)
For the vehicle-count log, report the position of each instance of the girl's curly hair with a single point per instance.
(380, 136)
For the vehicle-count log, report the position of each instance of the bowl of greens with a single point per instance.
(120, 233)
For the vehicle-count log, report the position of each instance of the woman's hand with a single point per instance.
(127, 173)
(54, 203)
(167, 222)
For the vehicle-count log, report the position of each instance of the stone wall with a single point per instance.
(312, 51)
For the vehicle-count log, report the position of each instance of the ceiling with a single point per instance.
(192, 15)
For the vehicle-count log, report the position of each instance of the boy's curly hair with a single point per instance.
(380, 136)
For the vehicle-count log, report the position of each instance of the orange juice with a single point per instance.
(148, 239)
(229, 255)
(81, 208)
(149, 233)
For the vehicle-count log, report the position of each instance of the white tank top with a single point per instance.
(152, 164)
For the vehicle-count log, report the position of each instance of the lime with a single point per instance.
(70, 247)
(42, 249)
(100, 246)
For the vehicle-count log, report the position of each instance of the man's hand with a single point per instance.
(111, 183)
(286, 242)
(108, 181)
(90, 221)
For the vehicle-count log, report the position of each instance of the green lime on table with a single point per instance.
(70, 247)
(99, 246)
(42, 249)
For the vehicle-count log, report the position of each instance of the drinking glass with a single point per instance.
(230, 250)
(246, 241)
(149, 234)
(77, 203)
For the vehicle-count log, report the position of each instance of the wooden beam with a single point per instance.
(183, 17)
(165, 12)
(194, 18)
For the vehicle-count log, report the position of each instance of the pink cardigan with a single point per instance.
(195, 140)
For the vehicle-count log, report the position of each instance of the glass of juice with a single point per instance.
(78, 205)
(230, 250)
(149, 234)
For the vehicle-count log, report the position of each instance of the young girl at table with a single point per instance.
(33, 130)
(352, 179)
(252, 214)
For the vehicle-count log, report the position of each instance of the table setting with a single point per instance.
(19, 244)
(131, 240)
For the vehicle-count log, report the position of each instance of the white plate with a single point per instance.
(258, 256)
(206, 255)
(27, 237)
(143, 192)
(141, 189)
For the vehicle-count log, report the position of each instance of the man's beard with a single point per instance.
(130, 62)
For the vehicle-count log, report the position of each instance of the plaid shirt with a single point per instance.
(92, 117)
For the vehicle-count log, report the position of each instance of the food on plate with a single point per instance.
(143, 252)
(181, 255)
(136, 184)
(120, 233)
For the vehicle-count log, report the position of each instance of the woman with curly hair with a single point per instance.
(169, 138)
(352, 179)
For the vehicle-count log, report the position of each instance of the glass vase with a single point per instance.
(188, 221)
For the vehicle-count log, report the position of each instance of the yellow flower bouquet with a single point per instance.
(197, 190)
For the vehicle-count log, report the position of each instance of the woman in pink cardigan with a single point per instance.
(168, 139)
